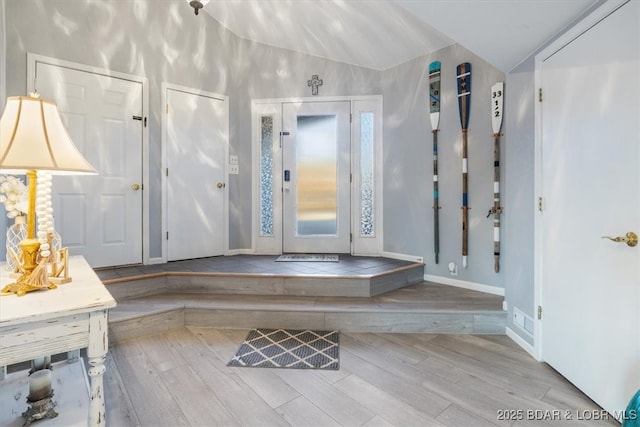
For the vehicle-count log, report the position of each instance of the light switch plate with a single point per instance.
(234, 169)
(233, 159)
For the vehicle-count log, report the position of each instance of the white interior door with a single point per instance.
(197, 135)
(591, 187)
(99, 217)
(316, 177)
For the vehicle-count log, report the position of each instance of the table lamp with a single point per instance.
(33, 137)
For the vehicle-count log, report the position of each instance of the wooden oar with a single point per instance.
(497, 91)
(464, 101)
(434, 114)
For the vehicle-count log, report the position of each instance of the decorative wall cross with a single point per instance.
(314, 83)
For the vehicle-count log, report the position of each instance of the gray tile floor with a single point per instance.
(348, 265)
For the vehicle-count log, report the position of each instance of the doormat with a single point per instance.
(288, 348)
(308, 258)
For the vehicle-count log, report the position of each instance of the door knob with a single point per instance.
(220, 185)
(631, 239)
(135, 187)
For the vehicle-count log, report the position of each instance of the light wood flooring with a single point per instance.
(180, 378)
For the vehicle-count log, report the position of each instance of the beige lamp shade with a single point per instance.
(32, 136)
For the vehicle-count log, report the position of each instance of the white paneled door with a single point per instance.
(590, 286)
(316, 148)
(99, 217)
(197, 128)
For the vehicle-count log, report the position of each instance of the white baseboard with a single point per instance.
(494, 290)
(240, 252)
(158, 260)
(521, 342)
(402, 257)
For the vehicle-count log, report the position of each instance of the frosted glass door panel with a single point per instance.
(316, 157)
(317, 189)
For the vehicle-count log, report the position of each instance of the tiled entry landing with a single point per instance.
(348, 265)
(352, 276)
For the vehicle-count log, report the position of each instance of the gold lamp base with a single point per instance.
(22, 288)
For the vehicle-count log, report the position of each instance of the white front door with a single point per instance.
(316, 177)
(99, 217)
(590, 286)
(196, 137)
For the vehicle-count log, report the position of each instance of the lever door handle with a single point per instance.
(631, 239)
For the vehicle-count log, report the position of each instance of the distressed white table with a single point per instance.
(71, 317)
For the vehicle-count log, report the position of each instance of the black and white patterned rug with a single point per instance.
(287, 348)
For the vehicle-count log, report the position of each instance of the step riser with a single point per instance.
(227, 284)
(145, 325)
(441, 323)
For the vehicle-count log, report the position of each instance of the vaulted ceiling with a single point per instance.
(380, 34)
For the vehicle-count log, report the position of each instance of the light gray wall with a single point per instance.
(3, 81)
(165, 41)
(265, 72)
(162, 41)
(519, 199)
(3, 53)
(408, 165)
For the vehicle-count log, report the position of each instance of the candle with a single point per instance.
(39, 385)
(38, 363)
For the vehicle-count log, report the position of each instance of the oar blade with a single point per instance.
(497, 99)
(464, 92)
(434, 94)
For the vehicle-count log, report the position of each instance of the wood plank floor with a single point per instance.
(180, 378)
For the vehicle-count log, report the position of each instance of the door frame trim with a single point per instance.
(166, 86)
(361, 245)
(33, 59)
(592, 19)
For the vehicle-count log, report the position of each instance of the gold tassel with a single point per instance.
(40, 276)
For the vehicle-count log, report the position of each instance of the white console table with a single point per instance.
(71, 317)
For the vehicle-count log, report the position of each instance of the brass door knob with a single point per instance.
(135, 187)
(220, 185)
(631, 239)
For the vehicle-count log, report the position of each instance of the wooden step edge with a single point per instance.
(137, 277)
(116, 316)
(158, 303)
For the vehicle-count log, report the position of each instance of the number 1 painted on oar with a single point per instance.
(434, 115)
(464, 101)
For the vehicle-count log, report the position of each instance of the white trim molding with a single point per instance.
(488, 289)
(402, 257)
(272, 244)
(522, 343)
